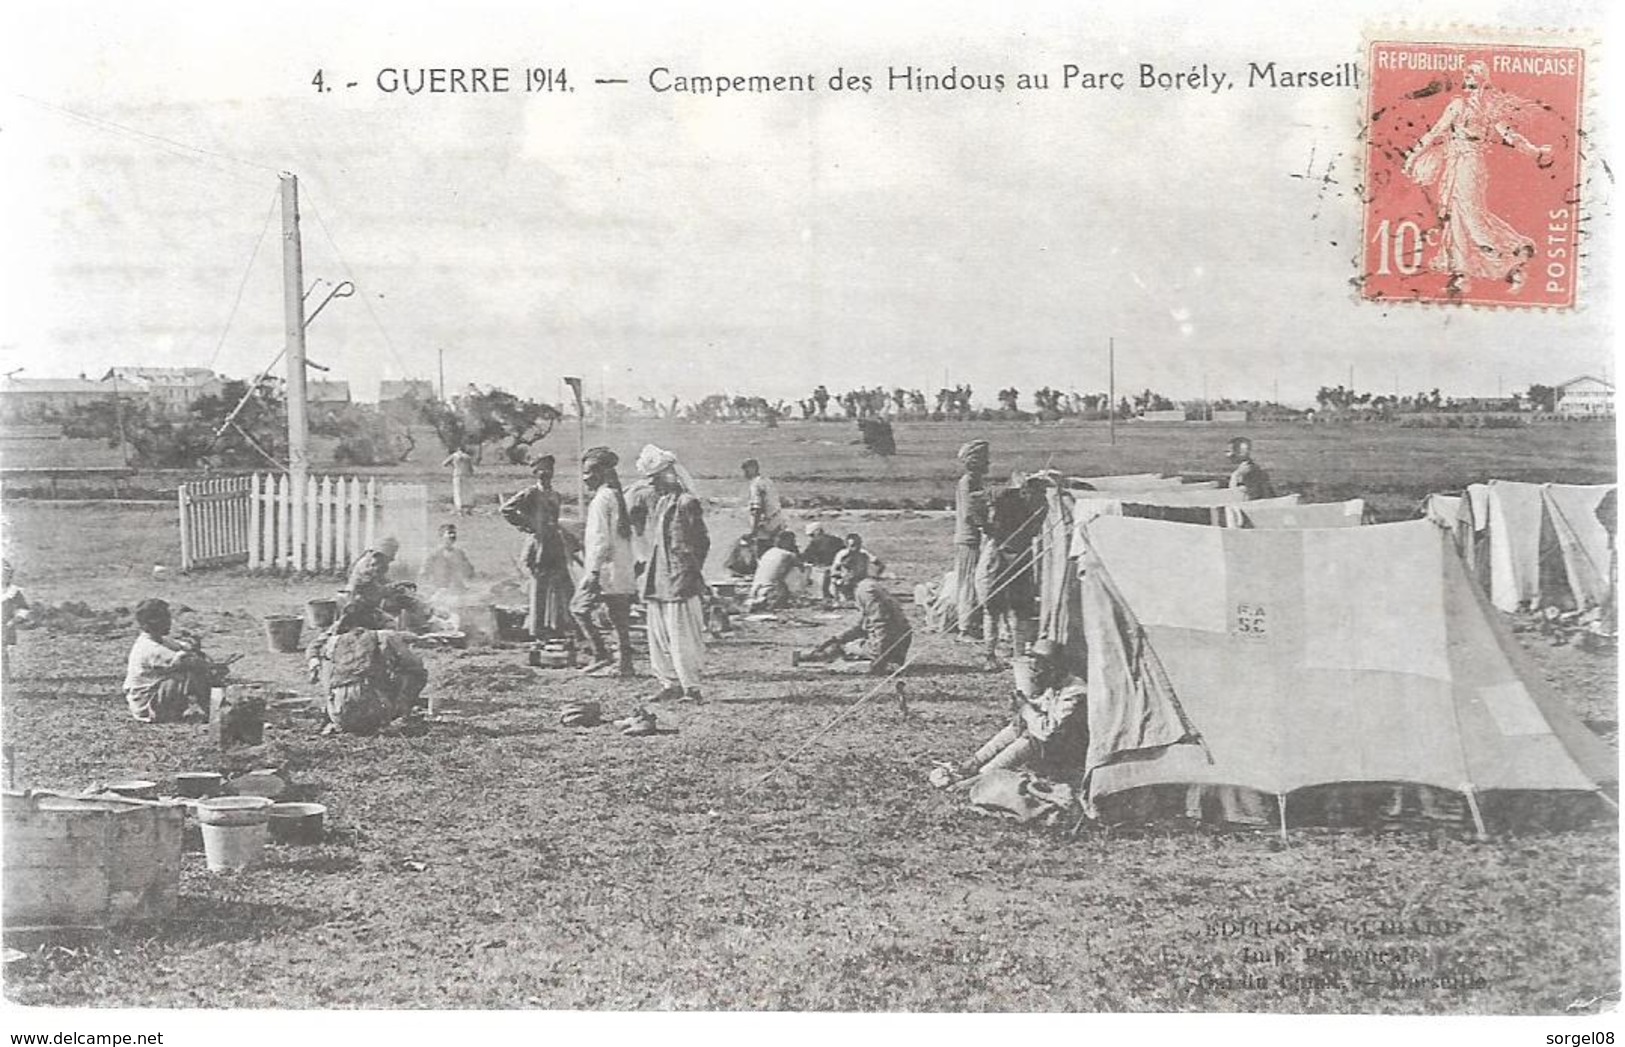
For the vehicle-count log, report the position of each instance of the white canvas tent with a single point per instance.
(1547, 545)
(1303, 658)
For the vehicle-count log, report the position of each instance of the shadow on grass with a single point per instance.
(201, 920)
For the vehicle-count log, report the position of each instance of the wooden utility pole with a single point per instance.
(442, 376)
(575, 385)
(1111, 389)
(118, 418)
(293, 315)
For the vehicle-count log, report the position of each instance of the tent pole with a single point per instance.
(1472, 805)
(1280, 801)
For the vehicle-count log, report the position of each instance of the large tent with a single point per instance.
(1300, 658)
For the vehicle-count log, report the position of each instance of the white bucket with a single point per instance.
(234, 831)
(228, 848)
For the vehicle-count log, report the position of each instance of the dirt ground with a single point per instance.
(757, 858)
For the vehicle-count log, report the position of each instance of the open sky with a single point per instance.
(667, 244)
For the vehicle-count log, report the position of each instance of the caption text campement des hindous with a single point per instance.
(1144, 76)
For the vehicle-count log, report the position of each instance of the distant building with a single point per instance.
(1586, 396)
(327, 394)
(392, 391)
(1487, 404)
(170, 390)
(43, 399)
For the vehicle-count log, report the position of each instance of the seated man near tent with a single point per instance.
(822, 548)
(1248, 473)
(164, 676)
(882, 624)
(446, 572)
(373, 677)
(1048, 728)
(1048, 707)
(770, 588)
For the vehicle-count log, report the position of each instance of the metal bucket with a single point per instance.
(296, 823)
(319, 614)
(282, 632)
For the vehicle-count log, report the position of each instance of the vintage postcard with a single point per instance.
(528, 519)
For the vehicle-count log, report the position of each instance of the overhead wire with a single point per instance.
(243, 284)
(349, 274)
(102, 123)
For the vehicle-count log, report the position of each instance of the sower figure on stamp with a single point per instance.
(608, 577)
(1452, 160)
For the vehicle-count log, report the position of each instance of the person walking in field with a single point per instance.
(461, 464)
(1248, 474)
(970, 524)
(673, 523)
(608, 575)
(535, 511)
(766, 514)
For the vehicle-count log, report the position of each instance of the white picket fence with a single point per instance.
(214, 522)
(321, 526)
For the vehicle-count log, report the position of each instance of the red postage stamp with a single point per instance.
(1472, 190)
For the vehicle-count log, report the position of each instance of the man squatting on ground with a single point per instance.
(673, 524)
(164, 676)
(882, 623)
(608, 578)
(373, 676)
(770, 587)
(970, 522)
(369, 575)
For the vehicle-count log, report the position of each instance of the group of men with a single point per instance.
(995, 572)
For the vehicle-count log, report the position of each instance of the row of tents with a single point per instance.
(1277, 648)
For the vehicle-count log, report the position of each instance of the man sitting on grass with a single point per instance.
(165, 677)
(882, 623)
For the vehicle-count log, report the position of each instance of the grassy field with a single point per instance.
(503, 860)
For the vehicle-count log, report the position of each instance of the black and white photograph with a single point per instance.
(544, 520)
